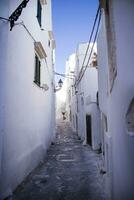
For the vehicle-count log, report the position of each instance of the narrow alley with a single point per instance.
(66, 100)
(70, 172)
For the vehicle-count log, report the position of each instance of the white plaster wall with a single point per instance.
(28, 123)
(103, 88)
(70, 67)
(65, 95)
(102, 58)
(80, 52)
(121, 96)
(81, 111)
(87, 89)
(91, 83)
(4, 38)
(90, 91)
(121, 144)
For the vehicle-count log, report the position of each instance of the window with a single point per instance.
(105, 124)
(97, 98)
(37, 70)
(105, 4)
(39, 11)
(49, 43)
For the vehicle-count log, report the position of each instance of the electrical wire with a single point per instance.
(34, 40)
(4, 19)
(97, 29)
(98, 13)
(24, 26)
(32, 37)
(65, 75)
(90, 38)
(83, 69)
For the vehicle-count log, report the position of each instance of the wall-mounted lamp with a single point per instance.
(60, 83)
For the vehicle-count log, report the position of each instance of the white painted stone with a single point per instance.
(115, 104)
(27, 112)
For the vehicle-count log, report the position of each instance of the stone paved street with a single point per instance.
(70, 172)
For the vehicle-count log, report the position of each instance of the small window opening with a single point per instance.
(39, 12)
(37, 70)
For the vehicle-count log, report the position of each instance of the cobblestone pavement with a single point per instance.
(69, 172)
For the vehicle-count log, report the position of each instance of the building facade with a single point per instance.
(82, 108)
(86, 95)
(116, 83)
(70, 93)
(27, 125)
(64, 97)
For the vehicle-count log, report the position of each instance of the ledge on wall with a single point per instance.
(40, 50)
(51, 36)
(43, 2)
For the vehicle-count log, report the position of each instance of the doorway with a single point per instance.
(89, 129)
(76, 123)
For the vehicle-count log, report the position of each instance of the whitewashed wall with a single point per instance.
(70, 79)
(91, 107)
(87, 93)
(26, 111)
(121, 96)
(81, 111)
(80, 53)
(103, 91)
(119, 100)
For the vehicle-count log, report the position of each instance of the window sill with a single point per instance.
(37, 84)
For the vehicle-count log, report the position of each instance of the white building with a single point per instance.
(65, 94)
(82, 97)
(116, 94)
(86, 92)
(70, 94)
(27, 120)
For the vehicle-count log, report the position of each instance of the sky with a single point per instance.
(72, 24)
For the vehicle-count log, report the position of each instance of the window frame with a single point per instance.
(37, 70)
(39, 12)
